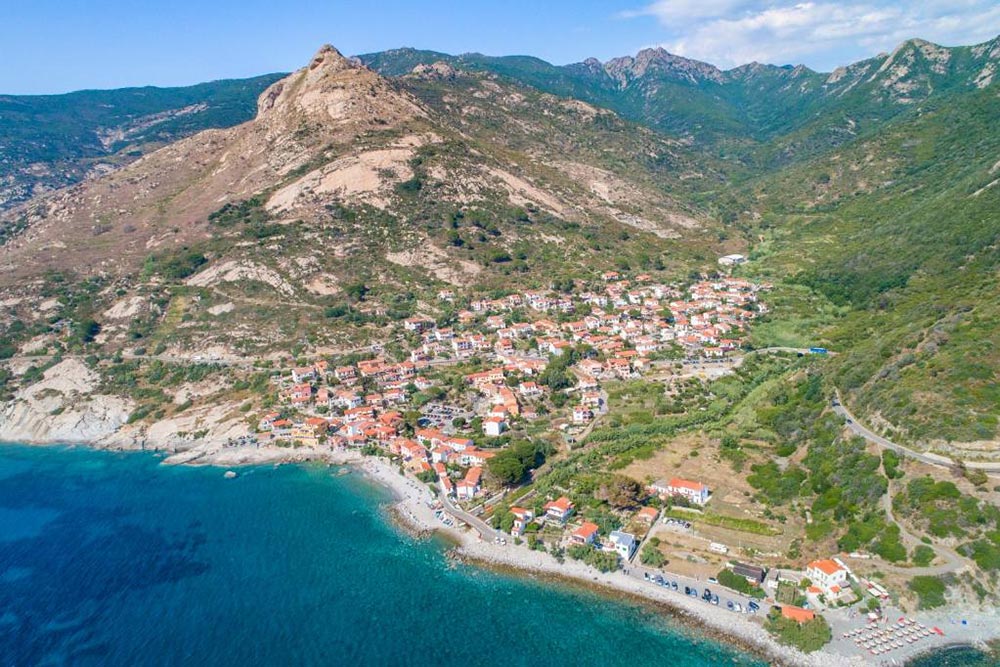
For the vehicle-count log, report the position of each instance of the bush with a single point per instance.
(923, 555)
(605, 561)
(890, 464)
(930, 591)
(730, 579)
(652, 556)
(807, 637)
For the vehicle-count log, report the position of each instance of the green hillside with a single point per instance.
(49, 141)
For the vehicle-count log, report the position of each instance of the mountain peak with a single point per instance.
(330, 58)
(333, 89)
(658, 59)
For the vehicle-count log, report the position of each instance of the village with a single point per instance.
(532, 366)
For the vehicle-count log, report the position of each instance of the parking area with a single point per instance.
(709, 593)
(441, 416)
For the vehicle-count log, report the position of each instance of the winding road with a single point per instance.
(930, 459)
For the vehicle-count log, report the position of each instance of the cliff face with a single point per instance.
(64, 406)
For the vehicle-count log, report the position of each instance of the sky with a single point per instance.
(53, 46)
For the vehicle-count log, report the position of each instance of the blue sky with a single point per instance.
(49, 46)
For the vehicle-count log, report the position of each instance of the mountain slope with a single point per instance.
(348, 188)
(901, 231)
(50, 141)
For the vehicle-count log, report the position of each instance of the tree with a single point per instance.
(807, 637)
(621, 492)
(510, 465)
(652, 556)
(87, 330)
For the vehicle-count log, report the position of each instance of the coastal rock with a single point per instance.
(62, 407)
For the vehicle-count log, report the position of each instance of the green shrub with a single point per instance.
(930, 591)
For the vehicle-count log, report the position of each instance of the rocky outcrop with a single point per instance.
(63, 407)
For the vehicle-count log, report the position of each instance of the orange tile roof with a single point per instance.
(797, 614)
(562, 504)
(826, 566)
(679, 483)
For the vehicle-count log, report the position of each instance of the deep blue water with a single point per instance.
(113, 559)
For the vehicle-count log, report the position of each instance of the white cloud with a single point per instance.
(820, 33)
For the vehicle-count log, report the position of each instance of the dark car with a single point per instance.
(753, 606)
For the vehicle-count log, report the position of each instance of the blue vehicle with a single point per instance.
(818, 350)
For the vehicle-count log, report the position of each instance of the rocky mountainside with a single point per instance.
(51, 141)
(348, 185)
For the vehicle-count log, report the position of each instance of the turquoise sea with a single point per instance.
(113, 559)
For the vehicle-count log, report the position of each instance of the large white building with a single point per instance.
(828, 576)
(696, 492)
(732, 260)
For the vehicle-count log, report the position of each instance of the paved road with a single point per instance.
(725, 595)
(931, 459)
(486, 531)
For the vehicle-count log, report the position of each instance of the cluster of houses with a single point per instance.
(625, 321)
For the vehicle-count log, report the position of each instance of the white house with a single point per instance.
(522, 517)
(559, 509)
(494, 426)
(468, 487)
(624, 543)
(829, 577)
(696, 492)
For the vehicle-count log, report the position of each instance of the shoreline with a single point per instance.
(414, 517)
(408, 508)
